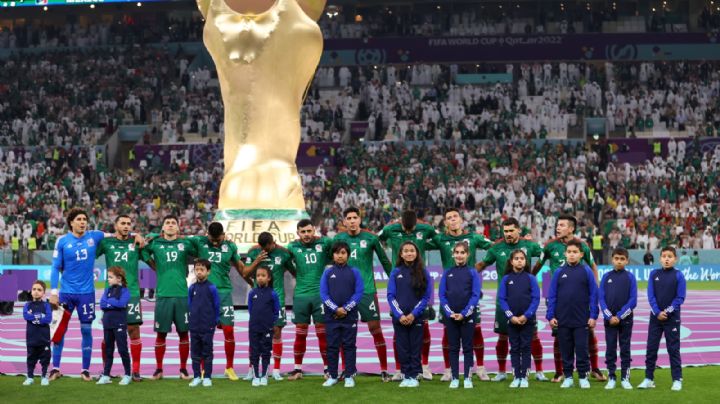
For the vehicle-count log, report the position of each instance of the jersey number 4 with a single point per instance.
(121, 256)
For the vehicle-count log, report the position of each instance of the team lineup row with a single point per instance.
(307, 259)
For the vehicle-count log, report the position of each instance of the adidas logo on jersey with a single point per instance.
(511, 283)
(609, 280)
(332, 276)
(657, 278)
(503, 254)
(556, 254)
(400, 276)
(564, 276)
(255, 297)
(450, 276)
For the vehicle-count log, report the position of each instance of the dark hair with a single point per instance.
(509, 266)
(669, 248)
(464, 246)
(511, 221)
(340, 245)
(621, 252)
(215, 229)
(269, 273)
(122, 216)
(409, 219)
(170, 217)
(574, 242)
(569, 218)
(75, 212)
(417, 267)
(351, 209)
(265, 239)
(119, 272)
(448, 210)
(39, 282)
(203, 263)
(304, 223)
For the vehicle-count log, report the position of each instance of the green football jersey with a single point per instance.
(310, 261)
(362, 247)
(500, 252)
(171, 264)
(124, 254)
(394, 235)
(554, 252)
(445, 243)
(222, 260)
(279, 260)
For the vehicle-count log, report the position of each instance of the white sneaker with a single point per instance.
(404, 383)
(195, 382)
(250, 375)
(455, 383)
(427, 373)
(44, 381)
(610, 384)
(349, 382)
(125, 380)
(515, 383)
(277, 376)
(499, 377)
(482, 374)
(677, 385)
(255, 382)
(467, 383)
(398, 376)
(264, 381)
(104, 380)
(584, 383)
(207, 382)
(330, 382)
(646, 384)
(524, 383)
(567, 383)
(412, 383)
(625, 383)
(447, 376)
(28, 382)
(540, 376)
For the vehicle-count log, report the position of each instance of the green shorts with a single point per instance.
(227, 311)
(501, 321)
(307, 307)
(368, 308)
(169, 310)
(134, 311)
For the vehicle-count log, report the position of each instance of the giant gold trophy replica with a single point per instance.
(265, 62)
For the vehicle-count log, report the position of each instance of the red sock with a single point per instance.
(300, 345)
(135, 353)
(322, 342)
(380, 347)
(277, 349)
(160, 349)
(558, 357)
(395, 355)
(184, 348)
(537, 352)
(501, 350)
(102, 351)
(593, 350)
(427, 339)
(229, 335)
(446, 350)
(479, 345)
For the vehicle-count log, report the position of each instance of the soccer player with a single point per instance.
(554, 252)
(74, 257)
(363, 244)
(223, 256)
(268, 254)
(310, 255)
(573, 310)
(121, 251)
(455, 232)
(499, 254)
(168, 256)
(394, 235)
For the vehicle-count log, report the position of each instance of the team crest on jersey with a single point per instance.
(224, 248)
(181, 247)
(278, 260)
(419, 235)
(363, 243)
(131, 247)
(318, 248)
(91, 242)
